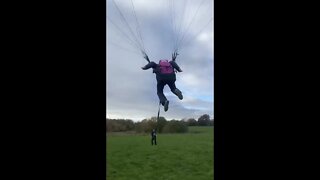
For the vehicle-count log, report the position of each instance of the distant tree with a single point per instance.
(184, 120)
(211, 122)
(192, 122)
(109, 125)
(175, 126)
(152, 124)
(116, 125)
(145, 126)
(129, 125)
(204, 120)
(138, 127)
(113, 125)
(161, 123)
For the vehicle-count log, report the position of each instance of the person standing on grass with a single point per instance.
(153, 137)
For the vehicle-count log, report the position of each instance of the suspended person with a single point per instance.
(153, 137)
(165, 75)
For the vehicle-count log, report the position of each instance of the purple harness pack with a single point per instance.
(165, 67)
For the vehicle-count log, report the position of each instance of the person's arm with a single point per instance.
(175, 66)
(149, 65)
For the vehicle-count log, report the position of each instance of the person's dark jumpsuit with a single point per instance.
(153, 137)
(163, 79)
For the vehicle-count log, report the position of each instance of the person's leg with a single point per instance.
(162, 97)
(155, 140)
(175, 90)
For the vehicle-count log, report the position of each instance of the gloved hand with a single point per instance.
(146, 56)
(174, 55)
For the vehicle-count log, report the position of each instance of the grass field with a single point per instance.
(187, 156)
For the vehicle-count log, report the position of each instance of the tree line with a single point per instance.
(162, 125)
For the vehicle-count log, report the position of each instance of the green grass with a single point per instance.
(186, 156)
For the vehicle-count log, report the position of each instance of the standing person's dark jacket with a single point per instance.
(153, 134)
(153, 137)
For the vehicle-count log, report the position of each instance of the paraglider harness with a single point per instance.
(156, 70)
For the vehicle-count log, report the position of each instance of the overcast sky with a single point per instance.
(131, 91)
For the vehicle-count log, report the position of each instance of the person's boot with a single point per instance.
(166, 105)
(178, 93)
